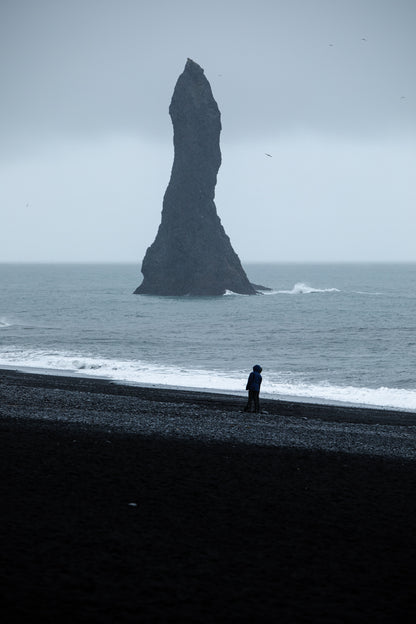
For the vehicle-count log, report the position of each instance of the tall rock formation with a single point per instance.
(191, 254)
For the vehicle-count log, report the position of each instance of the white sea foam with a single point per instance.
(269, 292)
(303, 289)
(230, 292)
(275, 385)
(4, 322)
(397, 398)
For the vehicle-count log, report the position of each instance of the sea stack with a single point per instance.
(191, 254)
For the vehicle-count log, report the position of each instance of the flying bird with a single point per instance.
(269, 155)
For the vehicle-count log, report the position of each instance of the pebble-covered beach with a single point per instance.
(204, 416)
(131, 504)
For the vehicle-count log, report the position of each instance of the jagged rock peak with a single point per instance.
(191, 254)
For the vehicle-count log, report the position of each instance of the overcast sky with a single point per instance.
(325, 86)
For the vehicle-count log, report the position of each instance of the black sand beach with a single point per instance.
(126, 504)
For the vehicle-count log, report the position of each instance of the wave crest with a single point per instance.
(231, 292)
(303, 289)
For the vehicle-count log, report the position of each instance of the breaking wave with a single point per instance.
(303, 289)
(231, 292)
(275, 386)
(298, 289)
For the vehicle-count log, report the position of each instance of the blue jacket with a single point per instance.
(254, 379)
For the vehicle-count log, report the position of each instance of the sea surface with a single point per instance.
(326, 333)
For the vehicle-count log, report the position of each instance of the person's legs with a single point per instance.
(249, 402)
(256, 401)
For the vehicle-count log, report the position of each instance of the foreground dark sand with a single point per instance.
(106, 526)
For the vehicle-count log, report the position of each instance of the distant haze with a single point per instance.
(318, 104)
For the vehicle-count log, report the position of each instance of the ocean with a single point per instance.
(324, 333)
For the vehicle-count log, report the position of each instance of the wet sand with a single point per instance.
(126, 504)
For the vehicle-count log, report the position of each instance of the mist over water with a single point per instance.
(324, 332)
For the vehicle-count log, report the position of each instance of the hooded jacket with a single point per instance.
(254, 379)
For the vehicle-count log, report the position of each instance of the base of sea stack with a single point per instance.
(252, 289)
(105, 526)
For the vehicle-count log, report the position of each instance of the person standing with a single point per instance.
(253, 387)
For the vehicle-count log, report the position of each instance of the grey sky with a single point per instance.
(325, 86)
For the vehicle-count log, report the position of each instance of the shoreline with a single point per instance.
(298, 407)
(281, 397)
(205, 416)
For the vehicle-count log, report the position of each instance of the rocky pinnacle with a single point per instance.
(191, 254)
